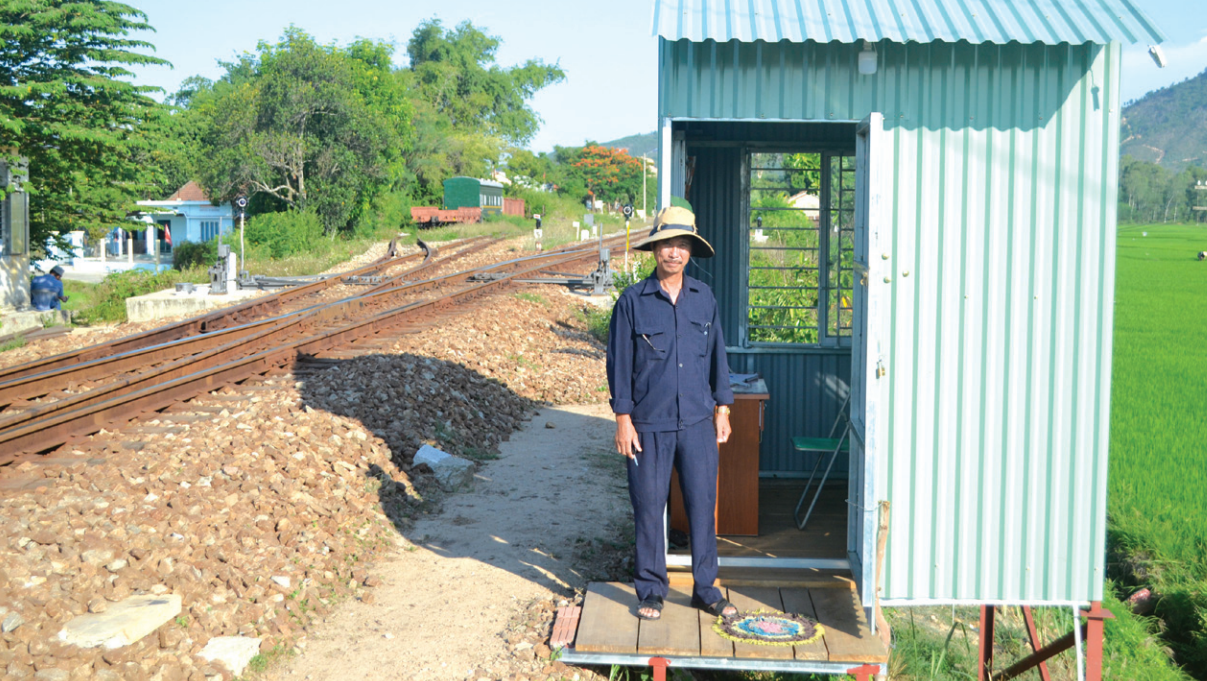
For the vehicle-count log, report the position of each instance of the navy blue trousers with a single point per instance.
(693, 452)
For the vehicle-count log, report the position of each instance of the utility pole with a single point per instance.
(241, 202)
(644, 172)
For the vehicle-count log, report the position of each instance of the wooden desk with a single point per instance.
(738, 476)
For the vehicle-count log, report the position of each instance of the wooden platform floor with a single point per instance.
(824, 537)
(609, 624)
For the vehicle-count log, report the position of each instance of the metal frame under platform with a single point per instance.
(571, 656)
(608, 631)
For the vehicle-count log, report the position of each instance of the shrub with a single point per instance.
(387, 212)
(285, 234)
(193, 254)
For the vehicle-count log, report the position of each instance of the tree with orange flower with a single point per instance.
(611, 173)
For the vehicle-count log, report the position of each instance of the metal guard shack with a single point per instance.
(963, 158)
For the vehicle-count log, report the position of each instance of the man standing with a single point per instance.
(669, 379)
(46, 291)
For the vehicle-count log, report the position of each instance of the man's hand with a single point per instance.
(627, 442)
(720, 422)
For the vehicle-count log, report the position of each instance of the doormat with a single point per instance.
(768, 628)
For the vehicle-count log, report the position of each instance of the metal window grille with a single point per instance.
(209, 230)
(800, 254)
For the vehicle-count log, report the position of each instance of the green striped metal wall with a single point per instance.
(1002, 196)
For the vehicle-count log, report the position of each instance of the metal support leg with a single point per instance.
(985, 656)
(1033, 660)
(1095, 617)
(659, 664)
(865, 672)
(1033, 634)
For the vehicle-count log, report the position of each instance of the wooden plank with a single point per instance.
(752, 598)
(677, 632)
(682, 578)
(608, 623)
(798, 601)
(712, 644)
(802, 578)
(848, 637)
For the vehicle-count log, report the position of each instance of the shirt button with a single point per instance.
(680, 365)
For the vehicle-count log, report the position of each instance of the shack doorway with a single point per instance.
(780, 200)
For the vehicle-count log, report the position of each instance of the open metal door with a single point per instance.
(868, 362)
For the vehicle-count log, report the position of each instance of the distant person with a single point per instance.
(46, 291)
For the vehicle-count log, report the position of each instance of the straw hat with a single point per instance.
(674, 221)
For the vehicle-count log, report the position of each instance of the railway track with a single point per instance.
(57, 401)
(257, 308)
(65, 374)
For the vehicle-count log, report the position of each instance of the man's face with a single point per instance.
(672, 255)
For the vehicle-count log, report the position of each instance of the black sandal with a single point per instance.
(715, 609)
(652, 603)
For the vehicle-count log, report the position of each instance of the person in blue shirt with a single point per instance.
(669, 380)
(46, 291)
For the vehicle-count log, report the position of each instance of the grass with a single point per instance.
(532, 298)
(1158, 511)
(941, 644)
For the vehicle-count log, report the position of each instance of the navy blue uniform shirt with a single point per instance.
(666, 361)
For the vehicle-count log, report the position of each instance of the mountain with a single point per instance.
(1168, 126)
(637, 145)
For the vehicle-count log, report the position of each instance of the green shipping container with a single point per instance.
(469, 192)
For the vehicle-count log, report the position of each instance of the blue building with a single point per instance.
(188, 214)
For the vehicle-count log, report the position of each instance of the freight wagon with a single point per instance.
(467, 200)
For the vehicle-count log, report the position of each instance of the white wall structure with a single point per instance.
(14, 245)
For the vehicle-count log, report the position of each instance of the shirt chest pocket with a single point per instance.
(653, 342)
(697, 336)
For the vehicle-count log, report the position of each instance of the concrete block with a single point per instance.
(31, 320)
(233, 651)
(163, 304)
(453, 473)
(123, 623)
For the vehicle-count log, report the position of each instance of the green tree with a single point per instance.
(65, 106)
(810, 180)
(469, 109)
(307, 127)
(527, 169)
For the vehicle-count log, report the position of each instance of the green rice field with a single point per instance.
(1158, 455)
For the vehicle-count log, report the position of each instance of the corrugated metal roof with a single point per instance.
(978, 21)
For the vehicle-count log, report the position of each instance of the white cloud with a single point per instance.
(1141, 74)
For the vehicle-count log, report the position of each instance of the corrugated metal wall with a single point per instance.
(1003, 214)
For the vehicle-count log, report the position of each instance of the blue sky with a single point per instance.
(605, 47)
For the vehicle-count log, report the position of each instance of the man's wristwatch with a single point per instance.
(723, 409)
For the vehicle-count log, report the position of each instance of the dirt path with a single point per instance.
(463, 576)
